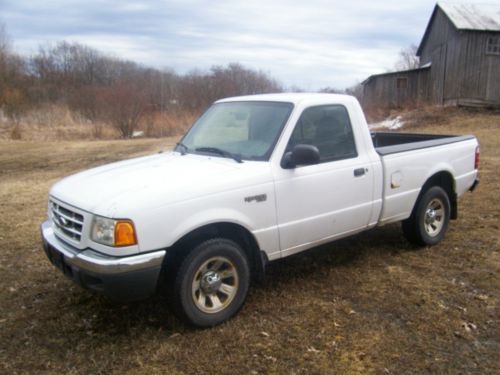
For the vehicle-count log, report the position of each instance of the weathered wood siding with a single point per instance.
(479, 72)
(441, 30)
(383, 89)
(461, 72)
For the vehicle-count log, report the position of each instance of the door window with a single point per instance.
(329, 129)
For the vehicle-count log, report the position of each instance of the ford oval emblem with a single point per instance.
(63, 221)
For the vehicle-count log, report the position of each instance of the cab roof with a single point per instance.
(294, 98)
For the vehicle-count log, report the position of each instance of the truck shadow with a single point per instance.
(95, 317)
(387, 240)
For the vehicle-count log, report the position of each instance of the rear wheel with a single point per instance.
(429, 220)
(211, 283)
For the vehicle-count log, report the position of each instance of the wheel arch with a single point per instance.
(445, 180)
(257, 259)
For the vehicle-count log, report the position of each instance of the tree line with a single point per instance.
(102, 88)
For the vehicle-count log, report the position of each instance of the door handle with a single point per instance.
(360, 172)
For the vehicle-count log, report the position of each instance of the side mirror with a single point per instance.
(300, 155)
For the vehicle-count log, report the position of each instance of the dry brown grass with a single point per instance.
(58, 123)
(369, 304)
(174, 123)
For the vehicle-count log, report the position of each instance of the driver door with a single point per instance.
(317, 203)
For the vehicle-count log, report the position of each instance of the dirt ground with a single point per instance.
(369, 304)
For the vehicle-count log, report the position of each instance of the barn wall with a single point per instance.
(440, 31)
(478, 72)
(461, 71)
(442, 47)
(382, 90)
(493, 84)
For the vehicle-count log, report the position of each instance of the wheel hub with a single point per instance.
(210, 282)
(430, 216)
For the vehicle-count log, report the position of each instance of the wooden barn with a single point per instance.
(459, 62)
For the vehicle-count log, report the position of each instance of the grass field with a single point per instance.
(368, 304)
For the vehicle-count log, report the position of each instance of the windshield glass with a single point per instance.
(241, 130)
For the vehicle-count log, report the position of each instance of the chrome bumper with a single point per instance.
(122, 278)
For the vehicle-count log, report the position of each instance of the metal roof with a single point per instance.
(474, 17)
(397, 72)
(483, 17)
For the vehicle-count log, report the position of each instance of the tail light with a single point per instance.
(476, 159)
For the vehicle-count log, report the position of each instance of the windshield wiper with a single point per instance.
(183, 148)
(224, 153)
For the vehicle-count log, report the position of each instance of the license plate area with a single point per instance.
(57, 259)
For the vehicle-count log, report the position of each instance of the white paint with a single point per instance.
(168, 195)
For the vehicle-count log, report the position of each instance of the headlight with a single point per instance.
(113, 232)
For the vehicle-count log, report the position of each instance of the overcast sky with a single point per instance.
(310, 44)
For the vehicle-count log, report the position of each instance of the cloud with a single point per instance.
(310, 44)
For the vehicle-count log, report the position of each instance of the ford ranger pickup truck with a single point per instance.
(255, 179)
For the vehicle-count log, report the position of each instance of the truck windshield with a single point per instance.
(239, 130)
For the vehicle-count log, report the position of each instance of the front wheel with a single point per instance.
(429, 220)
(212, 283)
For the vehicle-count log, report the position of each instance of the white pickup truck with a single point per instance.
(255, 179)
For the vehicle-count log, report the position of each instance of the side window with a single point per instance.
(329, 129)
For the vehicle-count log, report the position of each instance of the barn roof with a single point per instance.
(484, 17)
(476, 17)
(398, 72)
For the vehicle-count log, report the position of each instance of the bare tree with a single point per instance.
(4, 56)
(356, 91)
(198, 89)
(105, 89)
(330, 90)
(408, 58)
(122, 105)
(13, 98)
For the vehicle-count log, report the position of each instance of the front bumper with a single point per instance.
(119, 278)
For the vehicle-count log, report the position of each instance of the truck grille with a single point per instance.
(66, 221)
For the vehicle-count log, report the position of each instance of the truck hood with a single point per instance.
(117, 189)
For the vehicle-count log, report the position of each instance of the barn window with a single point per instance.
(493, 46)
(401, 83)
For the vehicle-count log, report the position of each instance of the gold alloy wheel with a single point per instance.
(215, 285)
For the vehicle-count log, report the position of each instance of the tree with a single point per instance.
(408, 58)
(330, 90)
(356, 91)
(122, 105)
(13, 98)
(4, 62)
(198, 89)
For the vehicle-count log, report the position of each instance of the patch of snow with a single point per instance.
(388, 123)
(137, 133)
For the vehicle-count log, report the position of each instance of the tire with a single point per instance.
(429, 220)
(211, 283)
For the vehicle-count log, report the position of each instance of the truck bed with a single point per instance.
(386, 143)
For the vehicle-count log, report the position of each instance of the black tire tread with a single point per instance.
(181, 302)
(412, 228)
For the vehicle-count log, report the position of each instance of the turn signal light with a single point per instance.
(125, 233)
